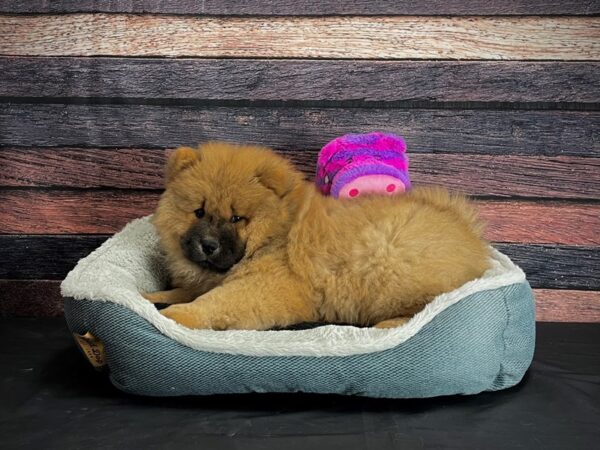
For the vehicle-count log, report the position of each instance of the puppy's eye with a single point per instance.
(235, 219)
(199, 213)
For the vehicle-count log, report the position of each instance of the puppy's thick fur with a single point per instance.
(251, 245)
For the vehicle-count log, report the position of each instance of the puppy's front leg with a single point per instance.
(170, 297)
(250, 303)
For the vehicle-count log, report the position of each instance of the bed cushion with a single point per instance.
(477, 338)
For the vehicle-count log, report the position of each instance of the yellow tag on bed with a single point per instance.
(92, 348)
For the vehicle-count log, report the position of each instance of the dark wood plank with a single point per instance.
(96, 212)
(51, 257)
(41, 298)
(308, 7)
(553, 305)
(356, 37)
(560, 177)
(43, 257)
(35, 298)
(549, 133)
(305, 80)
(557, 267)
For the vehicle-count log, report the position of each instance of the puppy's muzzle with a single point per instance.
(211, 251)
(210, 246)
(200, 249)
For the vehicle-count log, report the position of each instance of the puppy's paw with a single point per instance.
(170, 297)
(156, 297)
(393, 323)
(184, 315)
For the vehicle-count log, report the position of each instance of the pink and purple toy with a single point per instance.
(357, 164)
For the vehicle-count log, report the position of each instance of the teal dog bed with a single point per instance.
(477, 338)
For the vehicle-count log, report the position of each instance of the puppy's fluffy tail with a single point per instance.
(440, 198)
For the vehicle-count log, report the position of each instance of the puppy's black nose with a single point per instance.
(209, 246)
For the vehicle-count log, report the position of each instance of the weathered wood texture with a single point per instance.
(540, 223)
(308, 7)
(503, 132)
(553, 305)
(84, 168)
(43, 257)
(41, 298)
(559, 177)
(560, 267)
(515, 122)
(399, 37)
(301, 80)
(56, 212)
(51, 257)
(72, 212)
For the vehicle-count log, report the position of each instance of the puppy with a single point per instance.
(251, 245)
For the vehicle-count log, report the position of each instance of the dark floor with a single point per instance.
(51, 398)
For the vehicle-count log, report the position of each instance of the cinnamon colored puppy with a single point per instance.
(251, 245)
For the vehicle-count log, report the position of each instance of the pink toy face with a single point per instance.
(372, 184)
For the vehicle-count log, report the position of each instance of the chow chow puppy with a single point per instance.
(251, 245)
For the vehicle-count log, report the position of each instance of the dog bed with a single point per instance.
(479, 337)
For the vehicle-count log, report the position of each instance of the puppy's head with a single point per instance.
(223, 202)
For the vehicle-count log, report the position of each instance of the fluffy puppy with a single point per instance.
(251, 245)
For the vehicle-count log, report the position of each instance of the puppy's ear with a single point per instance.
(278, 176)
(179, 160)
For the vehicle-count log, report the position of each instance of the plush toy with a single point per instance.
(357, 164)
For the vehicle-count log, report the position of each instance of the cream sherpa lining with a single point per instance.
(130, 263)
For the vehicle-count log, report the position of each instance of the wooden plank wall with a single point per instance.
(499, 99)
